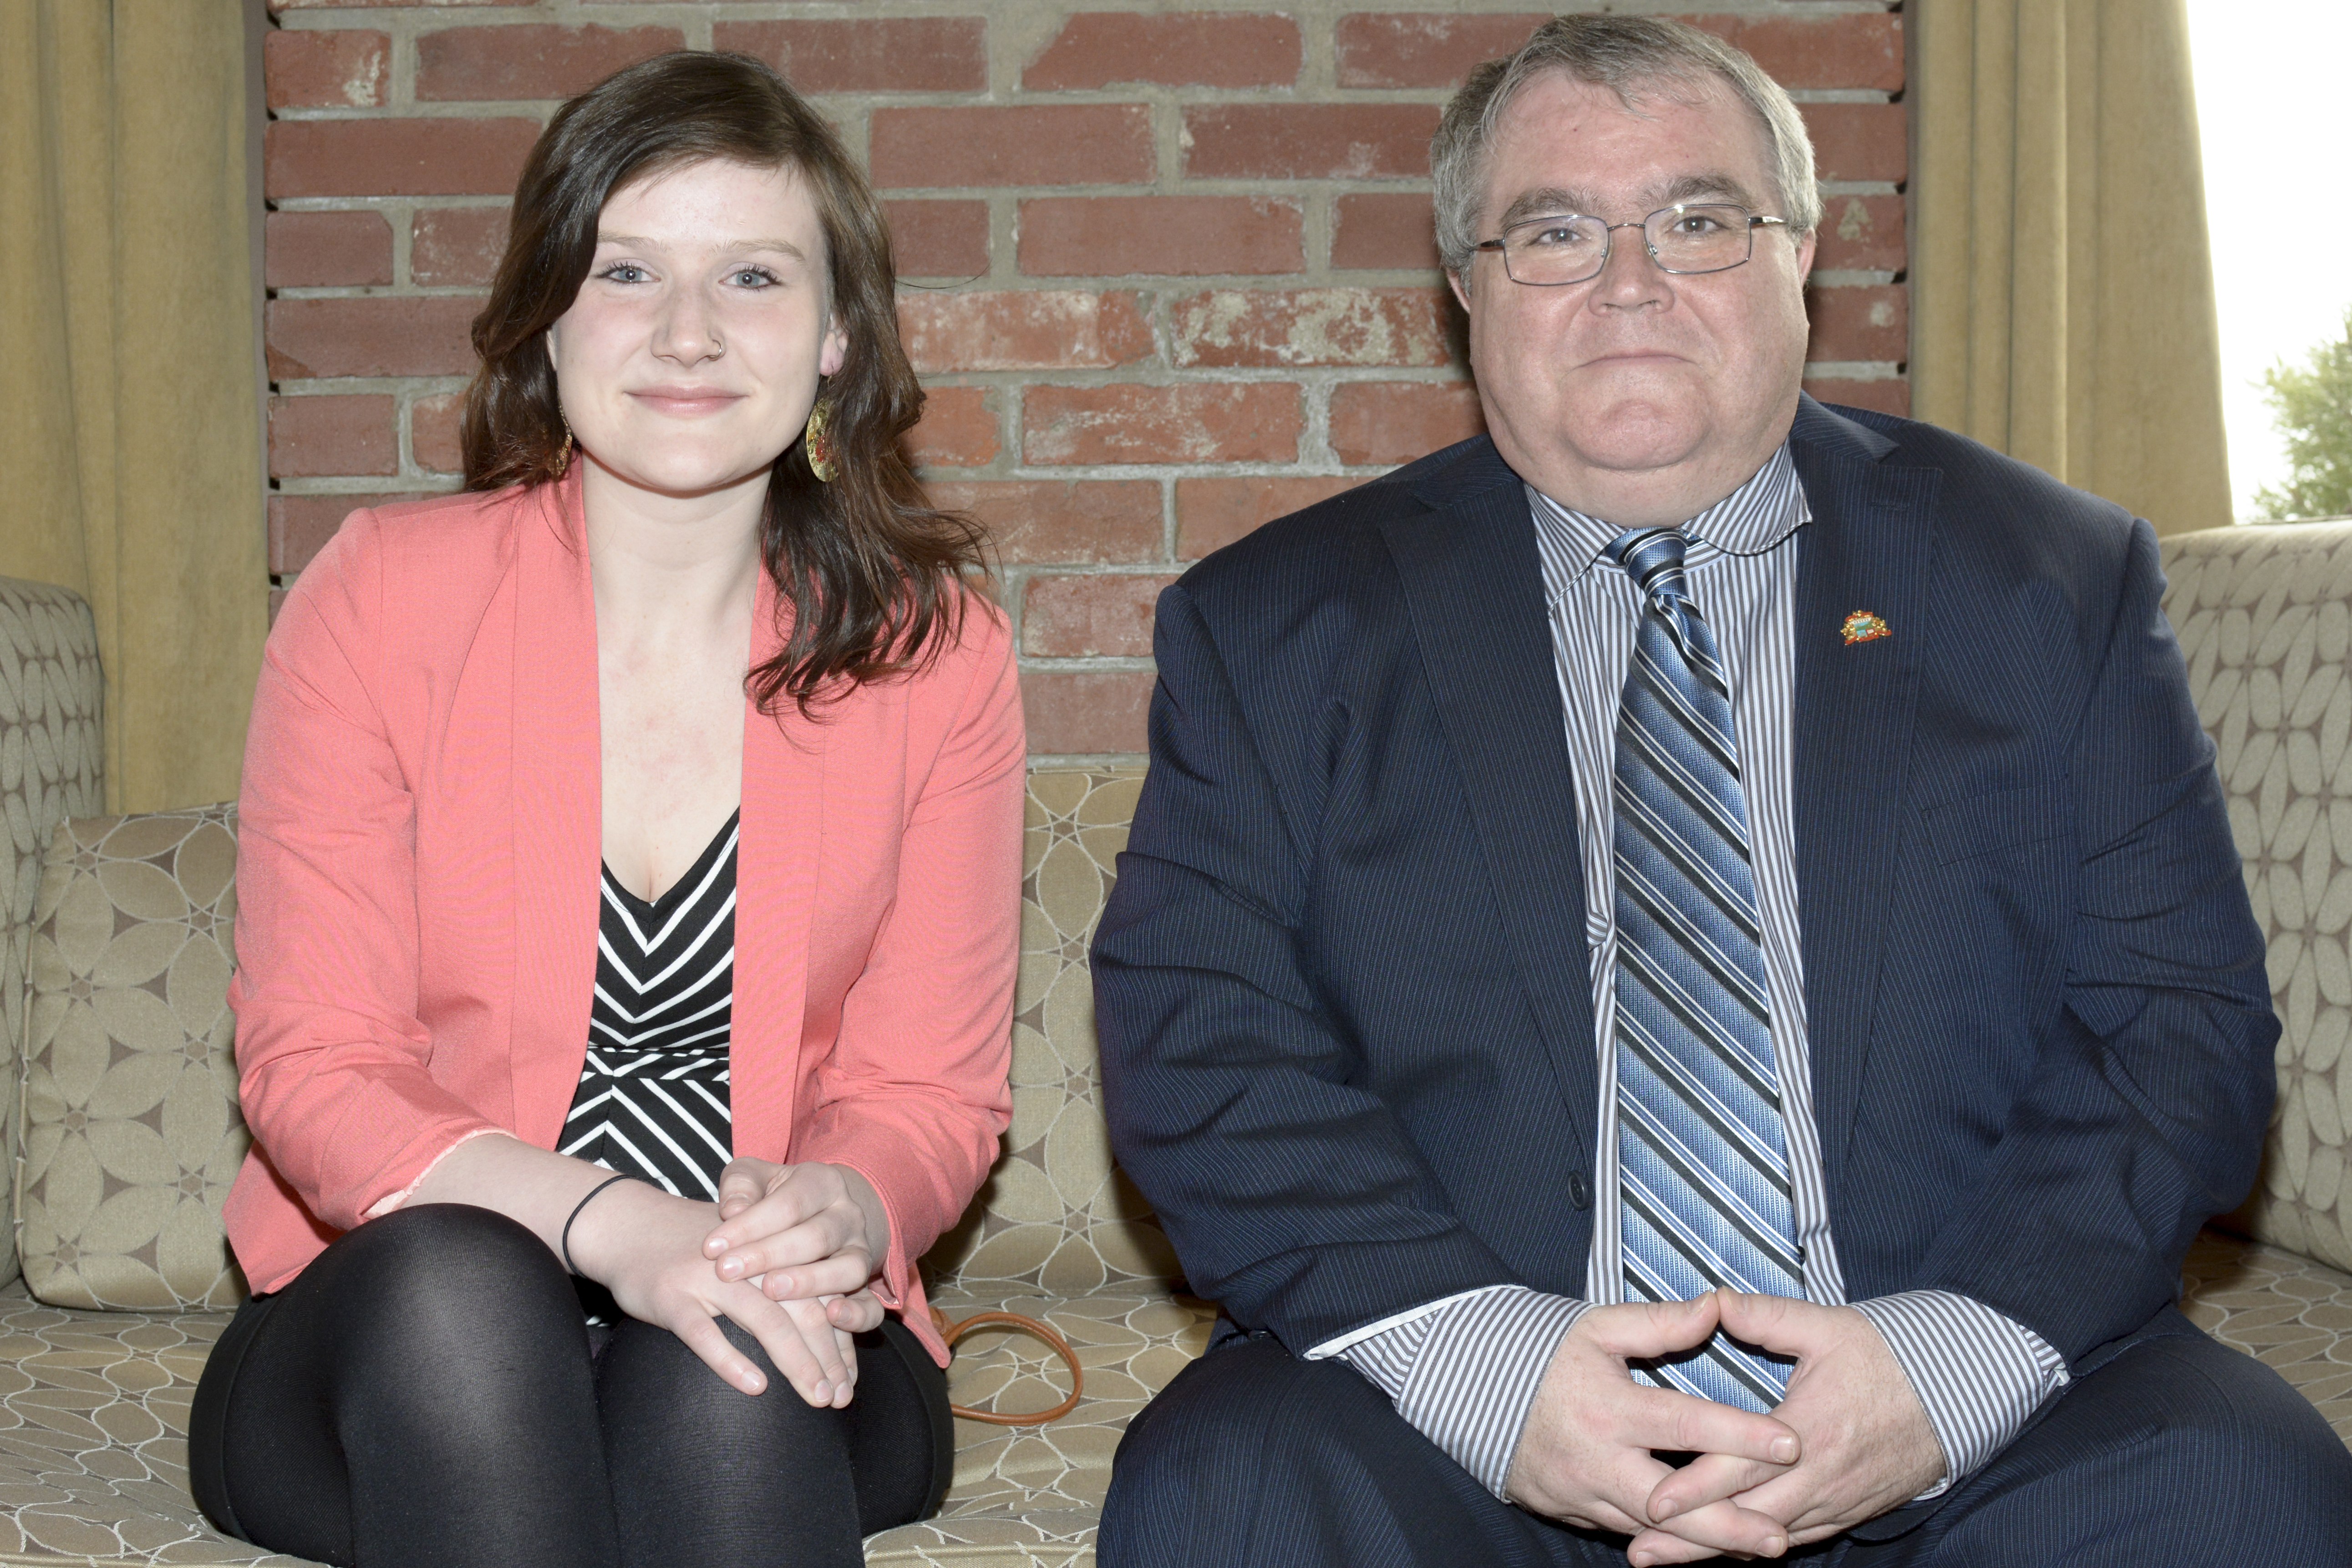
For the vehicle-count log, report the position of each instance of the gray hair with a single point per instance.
(1625, 54)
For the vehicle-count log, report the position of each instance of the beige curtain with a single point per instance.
(130, 453)
(2062, 293)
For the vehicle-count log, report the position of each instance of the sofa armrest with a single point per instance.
(52, 766)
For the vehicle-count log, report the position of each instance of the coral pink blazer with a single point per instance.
(419, 840)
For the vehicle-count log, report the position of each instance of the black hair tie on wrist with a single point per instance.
(565, 1245)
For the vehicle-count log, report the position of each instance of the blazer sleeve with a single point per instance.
(2146, 1114)
(1294, 1197)
(331, 1059)
(915, 1094)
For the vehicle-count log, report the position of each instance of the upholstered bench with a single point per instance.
(127, 1134)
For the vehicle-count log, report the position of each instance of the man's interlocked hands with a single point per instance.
(1850, 1441)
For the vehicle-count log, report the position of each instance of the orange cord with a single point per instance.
(952, 1331)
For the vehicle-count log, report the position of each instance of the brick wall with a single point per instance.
(1168, 274)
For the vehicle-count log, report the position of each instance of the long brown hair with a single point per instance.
(873, 573)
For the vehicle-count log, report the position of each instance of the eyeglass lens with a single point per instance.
(1687, 238)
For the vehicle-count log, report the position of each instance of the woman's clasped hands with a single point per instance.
(787, 1255)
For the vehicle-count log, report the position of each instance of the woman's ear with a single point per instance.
(835, 351)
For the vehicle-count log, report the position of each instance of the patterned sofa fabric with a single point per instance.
(52, 766)
(2264, 617)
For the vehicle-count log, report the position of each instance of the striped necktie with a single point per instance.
(1703, 1164)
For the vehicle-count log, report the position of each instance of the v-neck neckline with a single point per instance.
(693, 877)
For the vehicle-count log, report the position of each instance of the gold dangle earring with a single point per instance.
(823, 457)
(563, 457)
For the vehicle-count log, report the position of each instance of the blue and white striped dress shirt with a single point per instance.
(1464, 1370)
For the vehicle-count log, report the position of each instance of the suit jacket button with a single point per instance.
(1580, 1191)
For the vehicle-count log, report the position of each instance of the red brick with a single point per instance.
(377, 336)
(1085, 713)
(1044, 144)
(908, 54)
(1310, 141)
(1195, 422)
(1859, 141)
(1384, 423)
(1807, 53)
(539, 60)
(336, 70)
(320, 435)
(958, 430)
(1869, 321)
(313, 250)
(456, 247)
(937, 240)
(1425, 50)
(433, 438)
(1308, 326)
(1050, 329)
(1862, 234)
(1384, 229)
(299, 526)
(1098, 615)
(1097, 49)
(1213, 513)
(395, 157)
(1182, 236)
(1420, 49)
(1074, 523)
(1889, 397)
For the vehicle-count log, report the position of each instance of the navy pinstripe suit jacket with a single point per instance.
(1342, 983)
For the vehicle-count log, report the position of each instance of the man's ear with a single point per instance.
(1805, 248)
(1461, 287)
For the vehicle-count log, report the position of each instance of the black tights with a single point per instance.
(424, 1394)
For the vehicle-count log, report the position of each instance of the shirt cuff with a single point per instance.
(1463, 1372)
(1980, 1375)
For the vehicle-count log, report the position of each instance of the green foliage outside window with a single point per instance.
(2313, 407)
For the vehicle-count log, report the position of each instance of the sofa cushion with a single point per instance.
(131, 1133)
(2264, 617)
(1055, 1214)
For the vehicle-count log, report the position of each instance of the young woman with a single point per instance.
(629, 870)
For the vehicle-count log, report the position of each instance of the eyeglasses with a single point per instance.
(1684, 239)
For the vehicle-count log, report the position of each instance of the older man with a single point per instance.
(1680, 973)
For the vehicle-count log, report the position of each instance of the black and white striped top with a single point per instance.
(652, 1096)
(1464, 1370)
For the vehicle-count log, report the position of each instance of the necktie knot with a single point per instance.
(1653, 557)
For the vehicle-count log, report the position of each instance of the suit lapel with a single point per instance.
(1868, 548)
(1473, 586)
(558, 806)
(777, 865)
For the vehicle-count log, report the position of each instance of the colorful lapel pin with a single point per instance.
(1863, 627)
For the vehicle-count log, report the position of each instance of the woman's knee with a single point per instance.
(430, 1284)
